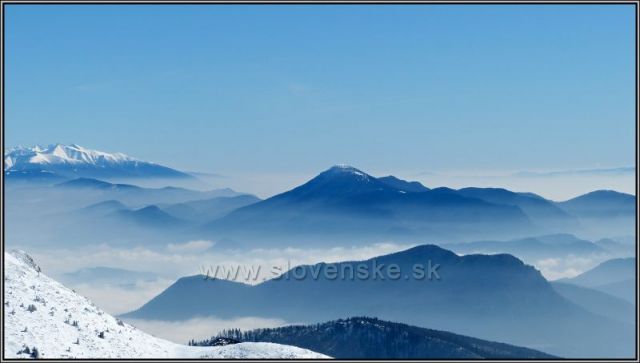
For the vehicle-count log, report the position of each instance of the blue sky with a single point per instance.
(295, 89)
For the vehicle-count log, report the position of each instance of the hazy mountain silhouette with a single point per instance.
(150, 216)
(103, 208)
(615, 277)
(206, 209)
(597, 301)
(532, 249)
(344, 202)
(99, 190)
(543, 212)
(495, 297)
(604, 213)
(601, 203)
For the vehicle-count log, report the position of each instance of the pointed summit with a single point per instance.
(347, 169)
(339, 180)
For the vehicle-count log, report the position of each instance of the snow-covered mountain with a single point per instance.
(72, 161)
(41, 313)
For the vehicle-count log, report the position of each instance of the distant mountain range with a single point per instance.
(76, 211)
(615, 277)
(531, 249)
(340, 205)
(343, 202)
(99, 190)
(60, 161)
(495, 297)
(604, 213)
(371, 338)
(598, 302)
(601, 203)
(625, 170)
(205, 210)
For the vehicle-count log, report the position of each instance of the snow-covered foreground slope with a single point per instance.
(42, 313)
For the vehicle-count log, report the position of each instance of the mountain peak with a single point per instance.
(73, 160)
(344, 168)
(62, 154)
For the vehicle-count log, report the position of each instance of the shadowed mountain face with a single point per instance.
(370, 338)
(344, 202)
(495, 297)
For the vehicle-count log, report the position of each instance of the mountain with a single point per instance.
(543, 212)
(413, 187)
(617, 269)
(206, 209)
(604, 213)
(532, 249)
(597, 301)
(495, 297)
(44, 319)
(99, 190)
(344, 203)
(75, 211)
(88, 183)
(73, 161)
(103, 208)
(624, 289)
(616, 277)
(601, 203)
(150, 216)
(371, 338)
(618, 248)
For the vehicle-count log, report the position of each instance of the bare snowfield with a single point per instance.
(42, 313)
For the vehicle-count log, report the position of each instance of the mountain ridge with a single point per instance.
(371, 338)
(70, 161)
(501, 288)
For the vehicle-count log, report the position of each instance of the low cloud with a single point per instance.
(191, 246)
(567, 267)
(117, 299)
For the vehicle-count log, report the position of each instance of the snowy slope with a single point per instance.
(66, 325)
(61, 154)
(76, 161)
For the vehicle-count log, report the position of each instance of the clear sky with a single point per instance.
(295, 89)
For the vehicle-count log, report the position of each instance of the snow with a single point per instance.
(344, 168)
(63, 318)
(62, 154)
